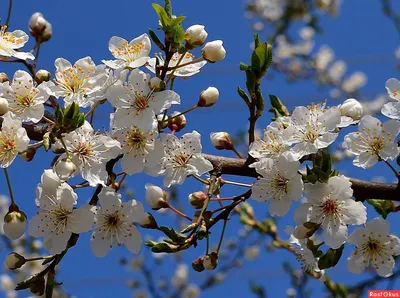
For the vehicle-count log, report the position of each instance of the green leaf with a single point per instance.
(177, 33)
(190, 227)
(177, 21)
(168, 8)
(80, 121)
(162, 15)
(164, 247)
(331, 258)
(256, 41)
(257, 289)
(250, 80)
(243, 66)
(243, 95)
(383, 207)
(71, 111)
(278, 104)
(156, 40)
(59, 113)
(326, 162)
(173, 235)
(259, 102)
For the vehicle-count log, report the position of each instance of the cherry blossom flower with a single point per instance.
(281, 184)
(310, 129)
(10, 42)
(115, 223)
(13, 139)
(331, 206)
(90, 151)
(351, 111)
(136, 104)
(184, 71)
(182, 158)
(392, 109)
(25, 100)
(57, 219)
(78, 83)
(133, 54)
(373, 141)
(136, 145)
(374, 245)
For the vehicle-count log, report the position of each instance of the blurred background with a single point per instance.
(324, 50)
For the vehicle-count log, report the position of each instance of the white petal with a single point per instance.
(355, 263)
(379, 226)
(279, 207)
(133, 242)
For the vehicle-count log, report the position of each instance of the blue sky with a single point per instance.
(82, 28)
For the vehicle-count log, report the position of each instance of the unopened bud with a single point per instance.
(156, 198)
(210, 261)
(352, 108)
(42, 75)
(15, 261)
(176, 123)
(148, 221)
(3, 106)
(195, 36)
(208, 97)
(48, 32)
(64, 168)
(37, 287)
(197, 265)
(3, 77)
(213, 51)
(14, 223)
(221, 140)
(156, 83)
(28, 154)
(37, 24)
(160, 118)
(197, 199)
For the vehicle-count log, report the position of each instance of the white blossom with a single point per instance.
(132, 55)
(114, 222)
(182, 158)
(78, 83)
(13, 139)
(351, 111)
(310, 129)
(184, 71)
(57, 219)
(11, 42)
(374, 140)
(374, 246)
(281, 184)
(331, 206)
(90, 151)
(392, 109)
(213, 51)
(136, 104)
(25, 100)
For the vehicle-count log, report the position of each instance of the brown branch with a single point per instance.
(363, 190)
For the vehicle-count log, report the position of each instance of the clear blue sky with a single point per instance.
(82, 28)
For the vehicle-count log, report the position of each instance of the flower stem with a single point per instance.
(188, 63)
(122, 179)
(48, 120)
(9, 187)
(201, 180)
(236, 183)
(393, 169)
(184, 112)
(179, 212)
(171, 75)
(9, 12)
(65, 147)
(236, 152)
(40, 258)
(222, 235)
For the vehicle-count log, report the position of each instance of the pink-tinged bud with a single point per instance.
(156, 198)
(3, 77)
(197, 265)
(148, 221)
(197, 199)
(176, 123)
(42, 75)
(3, 106)
(160, 118)
(213, 51)
(208, 97)
(14, 223)
(37, 24)
(352, 108)
(210, 261)
(221, 140)
(15, 261)
(64, 168)
(195, 36)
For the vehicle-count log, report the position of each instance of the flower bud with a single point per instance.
(42, 75)
(14, 223)
(37, 287)
(197, 199)
(28, 154)
(15, 261)
(64, 168)
(3, 106)
(221, 140)
(208, 97)
(197, 265)
(351, 108)
(37, 24)
(210, 261)
(148, 221)
(160, 118)
(3, 77)
(156, 198)
(195, 36)
(156, 83)
(48, 32)
(176, 123)
(213, 51)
